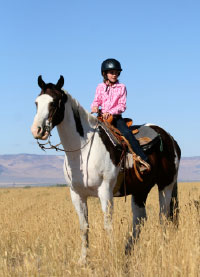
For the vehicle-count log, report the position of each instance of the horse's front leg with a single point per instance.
(105, 194)
(80, 204)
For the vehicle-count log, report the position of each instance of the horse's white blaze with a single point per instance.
(41, 116)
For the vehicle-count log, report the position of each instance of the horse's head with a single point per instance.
(50, 108)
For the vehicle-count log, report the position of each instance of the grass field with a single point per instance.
(40, 236)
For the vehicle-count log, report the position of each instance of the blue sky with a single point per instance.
(157, 43)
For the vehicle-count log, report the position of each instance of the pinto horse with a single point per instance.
(92, 162)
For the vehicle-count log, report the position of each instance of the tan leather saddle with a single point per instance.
(119, 136)
(126, 145)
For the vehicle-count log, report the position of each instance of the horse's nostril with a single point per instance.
(39, 129)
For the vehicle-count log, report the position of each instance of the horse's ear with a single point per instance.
(41, 83)
(60, 82)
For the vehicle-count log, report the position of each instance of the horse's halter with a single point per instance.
(49, 124)
(56, 108)
(54, 117)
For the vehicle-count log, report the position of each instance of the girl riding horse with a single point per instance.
(111, 97)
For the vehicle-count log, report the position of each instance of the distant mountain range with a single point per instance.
(189, 169)
(28, 169)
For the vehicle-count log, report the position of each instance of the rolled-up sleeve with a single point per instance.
(97, 98)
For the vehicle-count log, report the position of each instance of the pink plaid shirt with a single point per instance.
(112, 99)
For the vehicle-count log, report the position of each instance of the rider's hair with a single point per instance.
(105, 78)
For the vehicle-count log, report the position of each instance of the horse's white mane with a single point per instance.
(84, 114)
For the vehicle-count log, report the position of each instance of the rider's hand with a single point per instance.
(95, 109)
(106, 115)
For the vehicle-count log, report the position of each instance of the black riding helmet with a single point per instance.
(110, 64)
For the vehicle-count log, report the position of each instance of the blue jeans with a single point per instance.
(120, 124)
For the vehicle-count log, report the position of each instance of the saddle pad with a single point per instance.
(110, 135)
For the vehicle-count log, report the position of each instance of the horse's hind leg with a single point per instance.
(168, 195)
(168, 198)
(80, 204)
(174, 204)
(139, 215)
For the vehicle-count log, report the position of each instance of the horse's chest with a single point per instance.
(87, 174)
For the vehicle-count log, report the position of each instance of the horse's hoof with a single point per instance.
(129, 246)
(82, 261)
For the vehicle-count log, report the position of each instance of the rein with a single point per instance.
(43, 147)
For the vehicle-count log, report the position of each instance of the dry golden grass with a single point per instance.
(40, 236)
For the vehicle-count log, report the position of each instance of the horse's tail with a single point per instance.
(174, 204)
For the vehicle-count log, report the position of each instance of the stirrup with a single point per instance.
(143, 166)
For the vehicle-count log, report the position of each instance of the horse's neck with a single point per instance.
(71, 137)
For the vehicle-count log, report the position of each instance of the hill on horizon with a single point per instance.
(32, 169)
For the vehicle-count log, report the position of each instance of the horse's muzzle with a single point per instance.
(40, 133)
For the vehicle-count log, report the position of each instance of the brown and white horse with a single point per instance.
(91, 164)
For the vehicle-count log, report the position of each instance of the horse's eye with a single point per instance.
(36, 105)
(53, 104)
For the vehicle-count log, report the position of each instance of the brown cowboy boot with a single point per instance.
(142, 166)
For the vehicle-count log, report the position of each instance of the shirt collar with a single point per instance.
(113, 86)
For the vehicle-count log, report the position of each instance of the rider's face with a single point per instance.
(112, 75)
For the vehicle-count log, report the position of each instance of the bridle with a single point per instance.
(51, 146)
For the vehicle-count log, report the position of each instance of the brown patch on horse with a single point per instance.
(167, 158)
(77, 119)
(115, 152)
(163, 169)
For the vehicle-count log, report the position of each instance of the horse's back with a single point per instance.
(168, 143)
